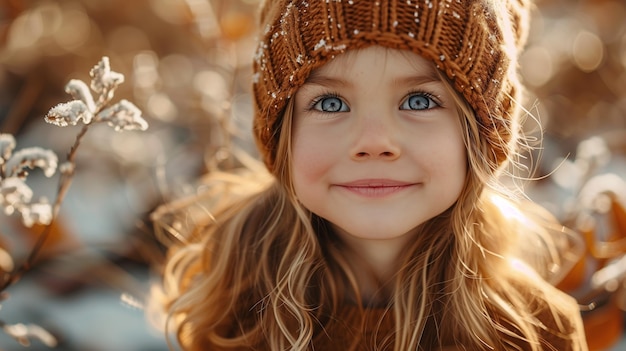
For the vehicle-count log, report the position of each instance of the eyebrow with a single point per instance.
(416, 80)
(319, 79)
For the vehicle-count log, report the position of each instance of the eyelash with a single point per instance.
(425, 94)
(321, 97)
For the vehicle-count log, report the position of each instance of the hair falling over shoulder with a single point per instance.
(244, 279)
(266, 274)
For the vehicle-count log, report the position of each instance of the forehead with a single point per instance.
(377, 59)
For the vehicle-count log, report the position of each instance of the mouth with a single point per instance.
(375, 187)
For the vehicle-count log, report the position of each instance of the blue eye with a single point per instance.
(330, 104)
(418, 102)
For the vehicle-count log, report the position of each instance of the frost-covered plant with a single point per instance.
(16, 196)
(123, 115)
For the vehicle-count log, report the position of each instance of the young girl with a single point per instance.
(385, 126)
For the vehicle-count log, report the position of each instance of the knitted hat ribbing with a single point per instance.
(474, 42)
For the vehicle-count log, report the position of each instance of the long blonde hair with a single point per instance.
(268, 273)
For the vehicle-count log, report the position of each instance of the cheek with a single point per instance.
(311, 157)
(448, 159)
(447, 170)
(452, 158)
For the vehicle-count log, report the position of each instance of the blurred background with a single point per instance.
(186, 64)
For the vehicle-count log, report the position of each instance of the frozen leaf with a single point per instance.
(67, 168)
(69, 113)
(123, 116)
(23, 333)
(80, 91)
(32, 157)
(14, 193)
(103, 79)
(7, 144)
(37, 213)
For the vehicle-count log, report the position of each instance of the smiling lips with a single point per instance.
(375, 187)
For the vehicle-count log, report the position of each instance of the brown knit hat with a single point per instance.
(475, 42)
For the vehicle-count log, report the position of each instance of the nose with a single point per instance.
(374, 139)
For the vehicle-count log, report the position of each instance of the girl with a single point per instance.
(385, 125)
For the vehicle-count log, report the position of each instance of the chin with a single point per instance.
(375, 232)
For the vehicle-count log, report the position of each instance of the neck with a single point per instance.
(375, 263)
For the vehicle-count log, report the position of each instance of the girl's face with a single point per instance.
(377, 144)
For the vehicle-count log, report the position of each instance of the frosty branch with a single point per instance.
(16, 197)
